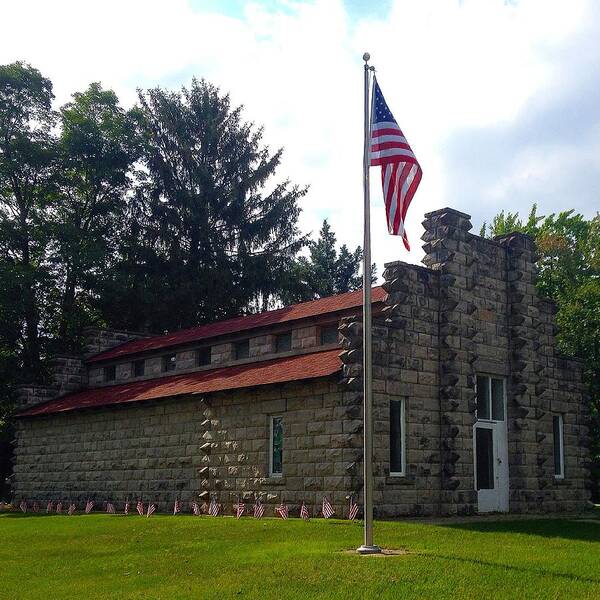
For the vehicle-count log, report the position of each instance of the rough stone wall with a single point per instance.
(405, 366)
(473, 310)
(98, 339)
(194, 448)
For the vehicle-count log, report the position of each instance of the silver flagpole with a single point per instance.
(368, 547)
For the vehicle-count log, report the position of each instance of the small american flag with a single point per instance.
(49, 506)
(126, 508)
(353, 512)
(59, 507)
(23, 506)
(400, 170)
(36, 507)
(283, 511)
(140, 508)
(213, 509)
(304, 512)
(110, 508)
(328, 511)
(259, 509)
(240, 508)
(151, 510)
(72, 509)
(177, 506)
(196, 509)
(89, 506)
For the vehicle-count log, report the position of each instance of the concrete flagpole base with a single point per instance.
(368, 549)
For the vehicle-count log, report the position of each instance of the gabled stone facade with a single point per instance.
(471, 313)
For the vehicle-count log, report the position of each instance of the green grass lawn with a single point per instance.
(108, 556)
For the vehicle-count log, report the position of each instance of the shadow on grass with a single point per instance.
(584, 531)
(517, 569)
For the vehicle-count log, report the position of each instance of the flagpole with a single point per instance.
(368, 547)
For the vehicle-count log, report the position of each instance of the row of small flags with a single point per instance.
(213, 509)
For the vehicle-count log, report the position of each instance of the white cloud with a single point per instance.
(443, 65)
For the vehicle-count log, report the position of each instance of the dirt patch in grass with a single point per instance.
(384, 552)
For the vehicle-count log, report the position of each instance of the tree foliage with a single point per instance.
(219, 234)
(27, 161)
(325, 271)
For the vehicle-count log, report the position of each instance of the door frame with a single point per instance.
(498, 497)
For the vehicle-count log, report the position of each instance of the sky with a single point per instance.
(499, 99)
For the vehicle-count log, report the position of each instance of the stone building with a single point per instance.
(474, 410)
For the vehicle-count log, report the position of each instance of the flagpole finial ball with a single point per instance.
(366, 57)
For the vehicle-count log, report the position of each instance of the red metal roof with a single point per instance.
(331, 304)
(279, 370)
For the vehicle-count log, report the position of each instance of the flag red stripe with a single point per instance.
(389, 146)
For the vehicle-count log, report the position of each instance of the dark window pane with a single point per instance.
(396, 436)
(110, 373)
(283, 342)
(483, 398)
(139, 368)
(329, 335)
(241, 349)
(484, 442)
(498, 399)
(558, 434)
(169, 362)
(277, 446)
(203, 357)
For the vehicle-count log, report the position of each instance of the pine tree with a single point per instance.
(325, 271)
(219, 236)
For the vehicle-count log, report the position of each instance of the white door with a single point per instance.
(490, 446)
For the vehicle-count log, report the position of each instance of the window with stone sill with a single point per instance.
(559, 446)
(203, 357)
(110, 373)
(276, 447)
(169, 362)
(329, 335)
(241, 349)
(139, 368)
(283, 342)
(397, 438)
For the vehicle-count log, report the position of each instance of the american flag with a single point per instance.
(400, 170)
(304, 512)
(353, 512)
(49, 506)
(23, 506)
(140, 508)
(327, 509)
(240, 508)
(59, 507)
(36, 507)
(282, 510)
(259, 509)
(196, 509)
(213, 509)
(126, 507)
(72, 509)
(151, 509)
(110, 508)
(177, 506)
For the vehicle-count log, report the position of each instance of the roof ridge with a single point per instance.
(240, 323)
(254, 374)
